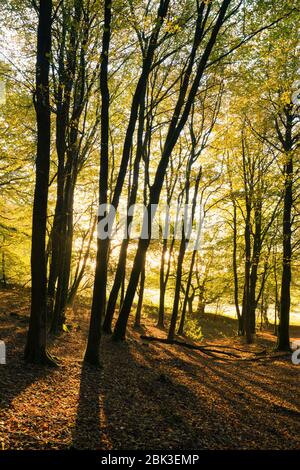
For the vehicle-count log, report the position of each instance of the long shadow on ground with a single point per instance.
(88, 432)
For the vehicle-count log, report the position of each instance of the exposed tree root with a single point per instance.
(269, 357)
(257, 353)
(208, 351)
(217, 353)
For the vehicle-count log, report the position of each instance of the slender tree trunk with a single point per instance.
(122, 293)
(186, 232)
(254, 264)
(99, 291)
(188, 299)
(246, 304)
(35, 349)
(162, 286)
(248, 188)
(174, 316)
(55, 253)
(277, 303)
(285, 298)
(56, 234)
(187, 294)
(138, 314)
(72, 150)
(61, 300)
(252, 295)
(80, 272)
(190, 305)
(63, 95)
(235, 273)
(120, 328)
(164, 280)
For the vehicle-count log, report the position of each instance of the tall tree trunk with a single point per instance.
(163, 287)
(56, 233)
(66, 74)
(246, 300)
(35, 349)
(194, 201)
(55, 246)
(99, 291)
(254, 264)
(285, 298)
(248, 188)
(252, 295)
(164, 276)
(188, 299)
(287, 141)
(277, 303)
(72, 150)
(235, 272)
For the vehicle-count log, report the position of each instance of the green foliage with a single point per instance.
(251, 87)
(193, 329)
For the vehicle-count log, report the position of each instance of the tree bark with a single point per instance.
(235, 272)
(254, 265)
(66, 74)
(162, 286)
(283, 343)
(285, 298)
(35, 349)
(121, 268)
(99, 291)
(246, 301)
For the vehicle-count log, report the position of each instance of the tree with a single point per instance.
(289, 143)
(99, 292)
(281, 109)
(73, 82)
(35, 350)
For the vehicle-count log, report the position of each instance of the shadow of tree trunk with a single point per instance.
(88, 420)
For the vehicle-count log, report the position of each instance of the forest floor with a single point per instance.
(148, 395)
